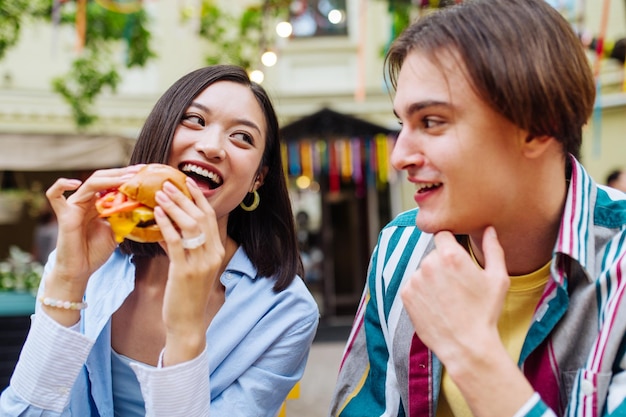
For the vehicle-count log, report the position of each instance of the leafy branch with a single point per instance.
(89, 75)
(12, 15)
(95, 68)
(239, 39)
(235, 38)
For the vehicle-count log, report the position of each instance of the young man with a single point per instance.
(503, 294)
(617, 179)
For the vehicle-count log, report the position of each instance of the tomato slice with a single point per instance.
(115, 202)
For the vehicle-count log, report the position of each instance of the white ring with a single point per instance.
(194, 242)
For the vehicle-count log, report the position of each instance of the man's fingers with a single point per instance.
(444, 238)
(494, 254)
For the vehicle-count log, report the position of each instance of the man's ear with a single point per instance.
(535, 146)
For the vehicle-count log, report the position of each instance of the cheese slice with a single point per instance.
(123, 223)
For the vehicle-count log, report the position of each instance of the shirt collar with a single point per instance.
(241, 264)
(575, 237)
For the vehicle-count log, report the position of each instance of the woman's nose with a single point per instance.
(211, 145)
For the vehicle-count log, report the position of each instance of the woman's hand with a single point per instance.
(85, 240)
(192, 272)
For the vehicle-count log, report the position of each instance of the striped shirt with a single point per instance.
(574, 353)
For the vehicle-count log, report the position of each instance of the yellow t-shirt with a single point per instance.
(517, 312)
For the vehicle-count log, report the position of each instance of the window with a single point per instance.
(318, 18)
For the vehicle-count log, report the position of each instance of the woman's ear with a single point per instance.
(260, 178)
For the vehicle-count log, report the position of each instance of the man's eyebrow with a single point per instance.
(244, 122)
(420, 105)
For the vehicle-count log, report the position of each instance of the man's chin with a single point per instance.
(429, 225)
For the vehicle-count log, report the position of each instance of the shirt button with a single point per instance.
(587, 387)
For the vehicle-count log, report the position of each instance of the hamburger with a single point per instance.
(130, 208)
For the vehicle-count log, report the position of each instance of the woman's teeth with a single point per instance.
(203, 172)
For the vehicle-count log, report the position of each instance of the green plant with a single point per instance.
(239, 39)
(12, 15)
(89, 75)
(13, 199)
(95, 67)
(20, 272)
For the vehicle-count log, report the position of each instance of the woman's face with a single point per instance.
(220, 142)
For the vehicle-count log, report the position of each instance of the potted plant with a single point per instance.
(14, 200)
(20, 275)
(11, 203)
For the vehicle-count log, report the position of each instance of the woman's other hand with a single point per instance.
(192, 272)
(85, 241)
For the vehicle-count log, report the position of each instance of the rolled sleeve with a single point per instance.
(179, 390)
(46, 371)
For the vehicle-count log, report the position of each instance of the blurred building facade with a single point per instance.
(337, 70)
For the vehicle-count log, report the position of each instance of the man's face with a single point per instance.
(463, 157)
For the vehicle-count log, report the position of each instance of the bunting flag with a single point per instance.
(121, 6)
(361, 161)
(284, 159)
(333, 172)
(359, 92)
(81, 24)
(346, 159)
(382, 154)
(306, 156)
(597, 111)
(294, 159)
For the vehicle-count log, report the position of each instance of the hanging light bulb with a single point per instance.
(335, 16)
(303, 182)
(284, 29)
(257, 76)
(269, 58)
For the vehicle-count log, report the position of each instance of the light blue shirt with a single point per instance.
(127, 397)
(257, 347)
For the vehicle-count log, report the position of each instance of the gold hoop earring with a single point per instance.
(255, 203)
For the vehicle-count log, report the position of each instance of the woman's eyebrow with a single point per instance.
(245, 122)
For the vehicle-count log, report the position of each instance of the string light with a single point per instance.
(284, 29)
(257, 76)
(269, 58)
(303, 182)
(335, 16)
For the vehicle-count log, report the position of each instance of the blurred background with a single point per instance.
(78, 78)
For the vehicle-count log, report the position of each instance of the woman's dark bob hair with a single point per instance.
(521, 57)
(268, 233)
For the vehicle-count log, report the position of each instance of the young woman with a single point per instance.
(213, 318)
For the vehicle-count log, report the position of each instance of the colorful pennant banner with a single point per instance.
(363, 161)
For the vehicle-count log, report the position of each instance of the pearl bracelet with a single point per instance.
(67, 305)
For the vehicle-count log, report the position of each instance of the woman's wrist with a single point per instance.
(62, 286)
(62, 299)
(182, 349)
